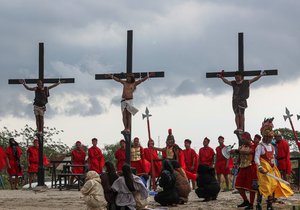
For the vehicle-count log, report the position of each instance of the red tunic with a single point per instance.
(33, 159)
(245, 176)
(221, 162)
(96, 159)
(283, 156)
(206, 156)
(15, 167)
(189, 156)
(142, 166)
(120, 155)
(2, 158)
(78, 158)
(156, 164)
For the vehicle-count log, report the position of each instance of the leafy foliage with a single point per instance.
(109, 152)
(26, 136)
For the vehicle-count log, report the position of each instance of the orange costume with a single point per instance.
(138, 161)
(221, 162)
(206, 156)
(96, 159)
(14, 156)
(78, 158)
(156, 164)
(191, 156)
(283, 156)
(120, 155)
(2, 158)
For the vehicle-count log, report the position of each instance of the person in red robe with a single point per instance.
(138, 160)
(33, 161)
(120, 155)
(2, 158)
(223, 166)
(151, 153)
(191, 159)
(283, 155)
(13, 161)
(78, 158)
(206, 154)
(95, 157)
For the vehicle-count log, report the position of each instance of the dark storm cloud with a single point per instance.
(185, 39)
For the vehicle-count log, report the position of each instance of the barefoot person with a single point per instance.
(13, 162)
(240, 96)
(129, 86)
(223, 166)
(40, 101)
(33, 161)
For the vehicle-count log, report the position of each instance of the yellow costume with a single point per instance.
(269, 185)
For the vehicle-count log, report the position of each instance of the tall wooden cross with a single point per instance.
(41, 170)
(122, 75)
(241, 68)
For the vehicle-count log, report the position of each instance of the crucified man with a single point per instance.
(40, 101)
(129, 86)
(241, 89)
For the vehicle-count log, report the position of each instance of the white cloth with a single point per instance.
(92, 192)
(125, 197)
(261, 151)
(128, 104)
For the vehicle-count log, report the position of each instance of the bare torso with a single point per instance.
(128, 89)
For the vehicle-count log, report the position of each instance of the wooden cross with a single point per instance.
(127, 136)
(268, 72)
(41, 170)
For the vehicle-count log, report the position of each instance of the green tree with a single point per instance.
(109, 152)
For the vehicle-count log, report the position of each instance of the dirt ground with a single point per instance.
(70, 199)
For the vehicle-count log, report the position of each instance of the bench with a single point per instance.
(66, 177)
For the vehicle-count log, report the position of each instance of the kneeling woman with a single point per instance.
(208, 186)
(167, 180)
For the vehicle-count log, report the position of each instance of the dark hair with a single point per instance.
(220, 137)
(239, 73)
(111, 171)
(12, 142)
(166, 165)
(131, 75)
(257, 136)
(128, 177)
(187, 140)
(94, 139)
(207, 139)
(175, 164)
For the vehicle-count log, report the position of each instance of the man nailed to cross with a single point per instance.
(240, 95)
(129, 86)
(40, 101)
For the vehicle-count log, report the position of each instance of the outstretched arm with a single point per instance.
(262, 73)
(54, 85)
(141, 80)
(115, 78)
(22, 81)
(226, 81)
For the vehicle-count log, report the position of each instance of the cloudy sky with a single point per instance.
(185, 39)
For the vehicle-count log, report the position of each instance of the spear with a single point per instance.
(147, 115)
(288, 116)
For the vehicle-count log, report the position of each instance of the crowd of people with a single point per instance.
(176, 171)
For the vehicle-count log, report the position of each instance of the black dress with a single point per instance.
(208, 186)
(169, 195)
